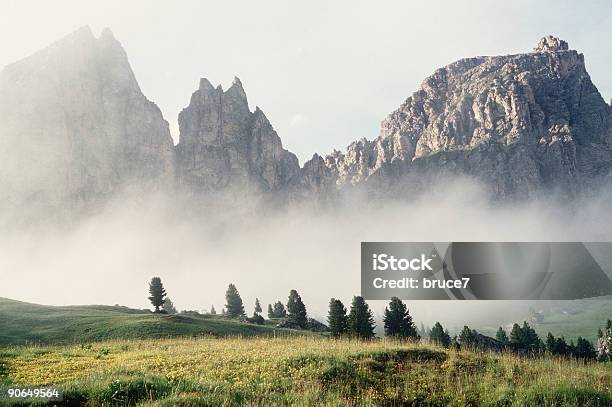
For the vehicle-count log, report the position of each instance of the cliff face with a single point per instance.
(521, 123)
(224, 145)
(75, 127)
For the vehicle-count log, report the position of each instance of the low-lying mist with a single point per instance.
(109, 257)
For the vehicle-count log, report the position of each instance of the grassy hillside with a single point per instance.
(300, 371)
(22, 323)
(570, 319)
(579, 318)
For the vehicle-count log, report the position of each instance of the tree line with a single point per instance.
(358, 322)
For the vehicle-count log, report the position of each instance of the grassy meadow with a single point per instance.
(25, 323)
(300, 371)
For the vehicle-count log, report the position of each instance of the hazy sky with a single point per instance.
(324, 72)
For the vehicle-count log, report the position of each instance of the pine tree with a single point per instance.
(524, 338)
(584, 349)
(270, 311)
(398, 322)
(599, 333)
(468, 338)
(439, 335)
(531, 339)
(296, 310)
(360, 319)
(561, 347)
(257, 307)
(157, 291)
(169, 306)
(233, 303)
(337, 319)
(550, 343)
(516, 337)
(279, 310)
(502, 336)
(213, 311)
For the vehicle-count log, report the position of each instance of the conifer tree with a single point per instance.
(467, 337)
(233, 303)
(502, 336)
(169, 306)
(158, 293)
(270, 311)
(550, 343)
(584, 349)
(360, 319)
(279, 310)
(337, 318)
(525, 338)
(398, 322)
(439, 335)
(296, 310)
(213, 311)
(516, 337)
(257, 307)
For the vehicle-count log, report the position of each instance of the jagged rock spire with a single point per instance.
(225, 145)
(551, 44)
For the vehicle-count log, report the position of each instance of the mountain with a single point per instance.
(521, 123)
(75, 126)
(223, 144)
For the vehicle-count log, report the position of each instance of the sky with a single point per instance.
(324, 72)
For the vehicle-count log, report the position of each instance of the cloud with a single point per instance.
(109, 257)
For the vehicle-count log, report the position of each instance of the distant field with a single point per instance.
(300, 371)
(24, 323)
(574, 319)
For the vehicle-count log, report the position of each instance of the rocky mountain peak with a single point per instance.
(550, 43)
(107, 34)
(77, 107)
(223, 144)
(521, 123)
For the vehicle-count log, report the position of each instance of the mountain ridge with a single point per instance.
(521, 124)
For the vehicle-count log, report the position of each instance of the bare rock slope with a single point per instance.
(224, 145)
(522, 123)
(75, 126)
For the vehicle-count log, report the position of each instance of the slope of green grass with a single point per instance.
(22, 323)
(582, 318)
(570, 319)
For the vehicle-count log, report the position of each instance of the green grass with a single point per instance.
(582, 318)
(24, 323)
(301, 371)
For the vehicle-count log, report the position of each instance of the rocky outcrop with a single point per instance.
(521, 123)
(224, 145)
(75, 126)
